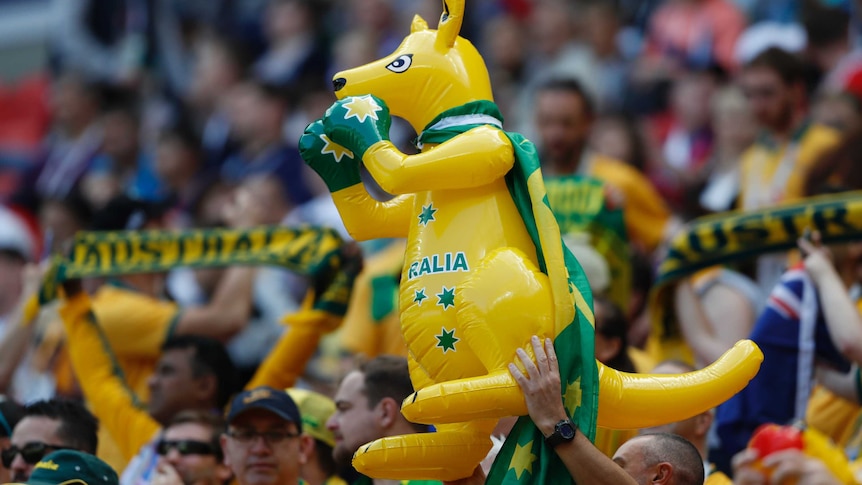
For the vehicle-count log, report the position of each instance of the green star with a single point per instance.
(447, 298)
(446, 340)
(420, 296)
(427, 214)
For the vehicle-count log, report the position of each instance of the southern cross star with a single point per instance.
(427, 214)
(446, 298)
(337, 151)
(446, 340)
(362, 108)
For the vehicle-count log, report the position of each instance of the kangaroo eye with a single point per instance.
(401, 64)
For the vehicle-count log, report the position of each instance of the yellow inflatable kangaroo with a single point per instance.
(471, 289)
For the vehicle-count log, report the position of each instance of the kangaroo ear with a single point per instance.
(450, 23)
(419, 24)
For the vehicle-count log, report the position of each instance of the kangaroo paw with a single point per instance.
(492, 396)
(444, 456)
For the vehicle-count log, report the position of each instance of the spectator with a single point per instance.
(71, 466)
(775, 167)
(685, 138)
(190, 451)
(368, 407)
(73, 143)
(48, 426)
(179, 165)
(220, 63)
(694, 429)
(611, 336)
(618, 137)
(564, 116)
(316, 409)
(692, 33)
(125, 165)
(264, 444)
(257, 113)
(612, 349)
(192, 373)
(661, 458)
(735, 131)
(296, 57)
(774, 395)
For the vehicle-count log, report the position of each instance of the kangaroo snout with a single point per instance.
(338, 83)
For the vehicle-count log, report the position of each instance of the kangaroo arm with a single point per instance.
(366, 218)
(633, 401)
(471, 159)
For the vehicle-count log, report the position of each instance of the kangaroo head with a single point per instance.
(430, 72)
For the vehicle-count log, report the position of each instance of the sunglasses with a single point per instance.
(31, 453)
(186, 447)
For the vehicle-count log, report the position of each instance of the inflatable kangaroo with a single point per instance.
(471, 289)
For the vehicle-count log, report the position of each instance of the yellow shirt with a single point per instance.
(831, 415)
(774, 173)
(136, 326)
(645, 212)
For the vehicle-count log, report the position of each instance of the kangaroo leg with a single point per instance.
(500, 305)
(450, 453)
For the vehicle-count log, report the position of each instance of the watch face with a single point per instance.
(567, 431)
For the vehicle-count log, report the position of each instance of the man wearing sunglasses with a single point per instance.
(264, 444)
(48, 426)
(190, 453)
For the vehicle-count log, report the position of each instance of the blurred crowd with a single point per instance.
(184, 114)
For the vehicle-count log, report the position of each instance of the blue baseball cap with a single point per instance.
(266, 398)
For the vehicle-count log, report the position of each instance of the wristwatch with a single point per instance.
(564, 431)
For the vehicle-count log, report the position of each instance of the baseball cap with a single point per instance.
(71, 467)
(268, 399)
(316, 409)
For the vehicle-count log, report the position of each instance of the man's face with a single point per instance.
(562, 123)
(262, 461)
(171, 384)
(770, 99)
(31, 430)
(195, 468)
(630, 457)
(354, 422)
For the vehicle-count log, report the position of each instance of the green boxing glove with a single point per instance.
(357, 122)
(336, 165)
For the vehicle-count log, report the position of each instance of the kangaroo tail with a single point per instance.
(632, 401)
